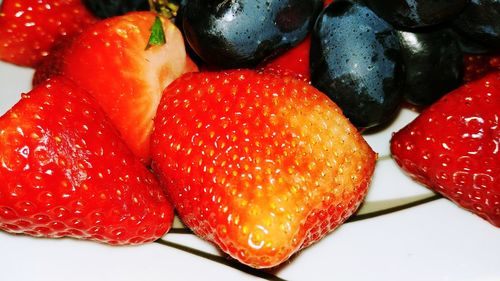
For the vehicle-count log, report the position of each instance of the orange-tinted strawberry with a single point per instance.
(258, 164)
(453, 147)
(29, 28)
(66, 172)
(110, 61)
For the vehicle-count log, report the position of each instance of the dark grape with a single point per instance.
(434, 64)
(110, 8)
(480, 21)
(417, 13)
(242, 33)
(470, 46)
(356, 60)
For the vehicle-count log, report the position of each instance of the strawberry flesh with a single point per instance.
(111, 62)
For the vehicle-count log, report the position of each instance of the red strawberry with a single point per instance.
(66, 172)
(327, 2)
(52, 64)
(29, 28)
(476, 66)
(294, 62)
(258, 164)
(453, 147)
(111, 62)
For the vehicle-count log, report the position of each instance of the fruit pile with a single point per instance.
(251, 131)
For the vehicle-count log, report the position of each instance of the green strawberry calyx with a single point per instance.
(165, 9)
(157, 37)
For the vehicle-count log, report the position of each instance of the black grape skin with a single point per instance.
(470, 46)
(434, 65)
(243, 33)
(410, 14)
(480, 21)
(356, 60)
(110, 8)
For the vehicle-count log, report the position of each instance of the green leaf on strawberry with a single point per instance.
(109, 60)
(157, 37)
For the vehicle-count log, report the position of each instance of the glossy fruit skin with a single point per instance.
(29, 28)
(480, 21)
(293, 62)
(477, 66)
(356, 60)
(110, 8)
(110, 61)
(471, 46)
(417, 13)
(67, 173)
(180, 12)
(258, 164)
(453, 147)
(243, 33)
(434, 65)
(52, 65)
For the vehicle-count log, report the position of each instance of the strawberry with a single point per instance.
(111, 62)
(294, 62)
(476, 66)
(260, 165)
(453, 147)
(51, 65)
(66, 172)
(29, 28)
(327, 2)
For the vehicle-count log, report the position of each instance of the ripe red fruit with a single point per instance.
(110, 61)
(52, 64)
(29, 28)
(327, 2)
(66, 172)
(477, 66)
(294, 62)
(258, 164)
(453, 147)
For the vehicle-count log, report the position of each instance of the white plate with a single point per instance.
(402, 232)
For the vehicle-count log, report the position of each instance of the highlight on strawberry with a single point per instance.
(66, 172)
(29, 28)
(258, 164)
(124, 62)
(453, 147)
(262, 163)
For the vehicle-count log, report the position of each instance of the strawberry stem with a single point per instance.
(165, 8)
